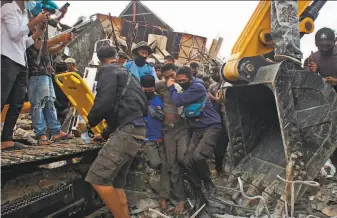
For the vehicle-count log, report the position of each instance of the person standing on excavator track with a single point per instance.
(121, 102)
(138, 66)
(285, 31)
(14, 41)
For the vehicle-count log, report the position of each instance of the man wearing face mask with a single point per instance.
(121, 102)
(176, 137)
(324, 61)
(138, 66)
(215, 95)
(14, 41)
(205, 129)
(153, 147)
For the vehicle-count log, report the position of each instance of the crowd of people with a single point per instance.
(171, 112)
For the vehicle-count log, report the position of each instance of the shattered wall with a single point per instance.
(82, 48)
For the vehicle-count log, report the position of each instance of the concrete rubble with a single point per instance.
(143, 185)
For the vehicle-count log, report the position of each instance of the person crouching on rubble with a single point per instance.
(41, 92)
(176, 137)
(122, 104)
(138, 66)
(205, 126)
(153, 147)
(14, 41)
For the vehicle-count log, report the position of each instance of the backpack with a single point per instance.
(194, 110)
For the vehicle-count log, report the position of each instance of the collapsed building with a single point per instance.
(48, 181)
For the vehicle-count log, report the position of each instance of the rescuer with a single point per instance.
(122, 104)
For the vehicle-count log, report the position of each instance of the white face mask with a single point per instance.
(30, 5)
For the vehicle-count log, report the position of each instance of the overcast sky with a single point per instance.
(205, 18)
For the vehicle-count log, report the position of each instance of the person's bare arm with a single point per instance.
(57, 49)
(52, 42)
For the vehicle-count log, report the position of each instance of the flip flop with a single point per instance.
(17, 146)
(65, 137)
(46, 141)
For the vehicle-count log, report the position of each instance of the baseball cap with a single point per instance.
(324, 35)
(70, 60)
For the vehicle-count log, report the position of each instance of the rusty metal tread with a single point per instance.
(36, 153)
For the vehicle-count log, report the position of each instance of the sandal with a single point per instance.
(65, 137)
(44, 142)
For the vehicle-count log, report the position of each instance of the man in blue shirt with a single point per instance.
(153, 146)
(138, 66)
(205, 131)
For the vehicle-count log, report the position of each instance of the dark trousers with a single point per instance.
(200, 148)
(13, 90)
(176, 140)
(220, 150)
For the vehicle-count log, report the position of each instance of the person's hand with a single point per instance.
(63, 11)
(331, 80)
(98, 138)
(69, 39)
(42, 17)
(313, 67)
(81, 127)
(65, 38)
(218, 97)
(170, 82)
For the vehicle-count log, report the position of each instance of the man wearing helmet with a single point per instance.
(138, 66)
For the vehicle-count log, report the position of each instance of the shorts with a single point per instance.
(112, 164)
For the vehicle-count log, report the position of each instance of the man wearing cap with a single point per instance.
(71, 64)
(324, 61)
(285, 31)
(138, 66)
(14, 41)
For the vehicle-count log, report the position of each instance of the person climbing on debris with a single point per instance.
(14, 41)
(138, 66)
(176, 137)
(41, 92)
(122, 104)
(153, 147)
(205, 126)
(215, 96)
(285, 31)
(71, 65)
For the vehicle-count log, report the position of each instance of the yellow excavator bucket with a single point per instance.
(79, 95)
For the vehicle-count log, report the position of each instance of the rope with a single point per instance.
(310, 183)
(253, 198)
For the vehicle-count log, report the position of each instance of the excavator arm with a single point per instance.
(255, 40)
(280, 118)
